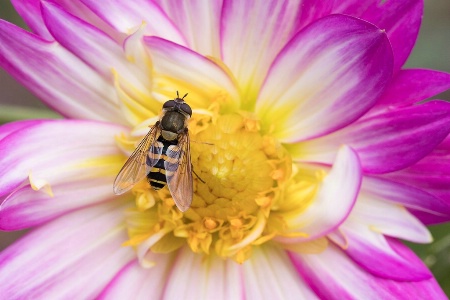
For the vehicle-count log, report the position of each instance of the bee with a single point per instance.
(163, 156)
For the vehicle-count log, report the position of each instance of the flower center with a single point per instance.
(242, 174)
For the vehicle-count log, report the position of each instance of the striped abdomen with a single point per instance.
(157, 155)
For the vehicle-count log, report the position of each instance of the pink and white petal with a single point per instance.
(198, 21)
(333, 203)
(30, 11)
(128, 16)
(93, 46)
(333, 275)
(56, 76)
(269, 274)
(45, 166)
(201, 77)
(385, 142)
(422, 204)
(25, 207)
(388, 218)
(400, 19)
(136, 282)
(372, 251)
(411, 86)
(333, 70)
(249, 45)
(68, 146)
(72, 257)
(195, 276)
(8, 128)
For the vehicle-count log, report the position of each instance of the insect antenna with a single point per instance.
(184, 95)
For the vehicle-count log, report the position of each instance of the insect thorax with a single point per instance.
(173, 121)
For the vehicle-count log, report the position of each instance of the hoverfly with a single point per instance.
(163, 156)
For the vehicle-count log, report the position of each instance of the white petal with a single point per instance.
(269, 274)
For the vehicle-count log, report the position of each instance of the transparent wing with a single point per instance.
(136, 168)
(179, 172)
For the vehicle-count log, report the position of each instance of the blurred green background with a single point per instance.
(432, 51)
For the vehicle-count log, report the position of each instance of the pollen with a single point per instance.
(243, 184)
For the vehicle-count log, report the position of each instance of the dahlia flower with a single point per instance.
(316, 156)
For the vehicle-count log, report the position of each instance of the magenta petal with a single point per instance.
(424, 205)
(333, 275)
(312, 10)
(71, 258)
(432, 174)
(400, 19)
(411, 86)
(352, 7)
(55, 75)
(333, 70)
(388, 141)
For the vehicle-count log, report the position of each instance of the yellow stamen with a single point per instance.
(248, 196)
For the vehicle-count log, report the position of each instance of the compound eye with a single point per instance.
(169, 104)
(186, 108)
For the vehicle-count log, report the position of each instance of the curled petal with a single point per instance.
(333, 70)
(333, 202)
